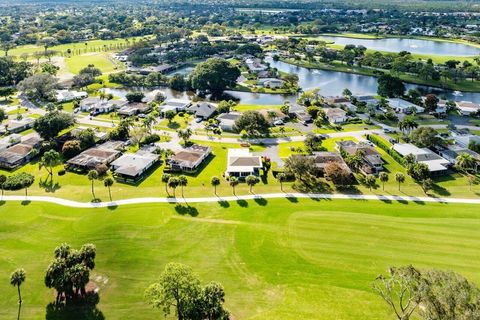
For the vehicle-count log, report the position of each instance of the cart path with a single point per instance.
(187, 201)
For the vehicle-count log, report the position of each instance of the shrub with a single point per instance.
(150, 139)
(71, 148)
(385, 146)
(61, 172)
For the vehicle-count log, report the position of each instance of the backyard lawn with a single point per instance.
(277, 259)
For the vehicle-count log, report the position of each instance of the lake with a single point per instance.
(429, 47)
(331, 83)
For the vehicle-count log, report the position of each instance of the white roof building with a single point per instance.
(69, 95)
(435, 163)
(241, 163)
(464, 140)
(403, 106)
(133, 165)
(175, 105)
(467, 108)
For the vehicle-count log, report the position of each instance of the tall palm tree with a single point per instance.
(281, 177)
(165, 178)
(173, 184)
(215, 181)
(466, 163)
(251, 180)
(383, 176)
(16, 279)
(92, 176)
(233, 182)
(108, 182)
(3, 179)
(400, 178)
(182, 182)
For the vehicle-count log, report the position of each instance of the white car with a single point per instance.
(279, 123)
(198, 120)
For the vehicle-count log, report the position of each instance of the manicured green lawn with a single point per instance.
(99, 60)
(277, 259)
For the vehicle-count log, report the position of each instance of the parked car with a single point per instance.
(198, 120)
(279, 123)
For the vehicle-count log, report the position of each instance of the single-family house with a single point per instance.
(436, 164)
(300, 112)
(403, 106)
(20, 153)
(272, 83)
(273, 115)
(464, 139)
(467, 108)
(227, 120)
(453, 151)
(372, 160)
(323, 158)
(336, 115)
(18, 125)
(241, 163)
(255, 65)
(131, 167)
(10, 140)
(98, 106)
(202, 110)
(134, 108)
(89, 159)
(69, 95)
(367, 99)
(189, 159)
(175, 105)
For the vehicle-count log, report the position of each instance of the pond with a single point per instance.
(429, 47)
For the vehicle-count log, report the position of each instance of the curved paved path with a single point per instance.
(133, 201)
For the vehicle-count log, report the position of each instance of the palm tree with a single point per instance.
(92, 176)
(3, 179)
(108, 182)
(16, 279)
(466, 163)
(383, 176)
(233, 182)
(281, 177)
(173, 183)
(400, 178)
(251, 180)
(215, 181)
(165, 178)
(182, 181)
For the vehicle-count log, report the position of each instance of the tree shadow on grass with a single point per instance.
(292, 198)
(112, 207)
(261, 201)
(186, 210)
(2, 202)
(85, 309)
(242, 203)
(26, 202)
(49, 185)
(224, 204)
(441, 191)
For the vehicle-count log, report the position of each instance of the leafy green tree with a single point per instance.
(108, 183)
(215, 181)
(169, 115)
(211, 301)
(253, 122)
(92, 176)
(251, 181)
(49, 125)
(177, 288)
(39, 86)
(390, 86)
(214, 75)
(303, 169)
(185, 135)
(49, 160)
(6, 92)
(17, 181)
(135, 96)
(16, 279)
(177, 82)
(424, 137)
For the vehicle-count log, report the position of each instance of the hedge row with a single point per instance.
(387, 147)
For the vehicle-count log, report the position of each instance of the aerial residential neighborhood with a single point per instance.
(240, 160)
